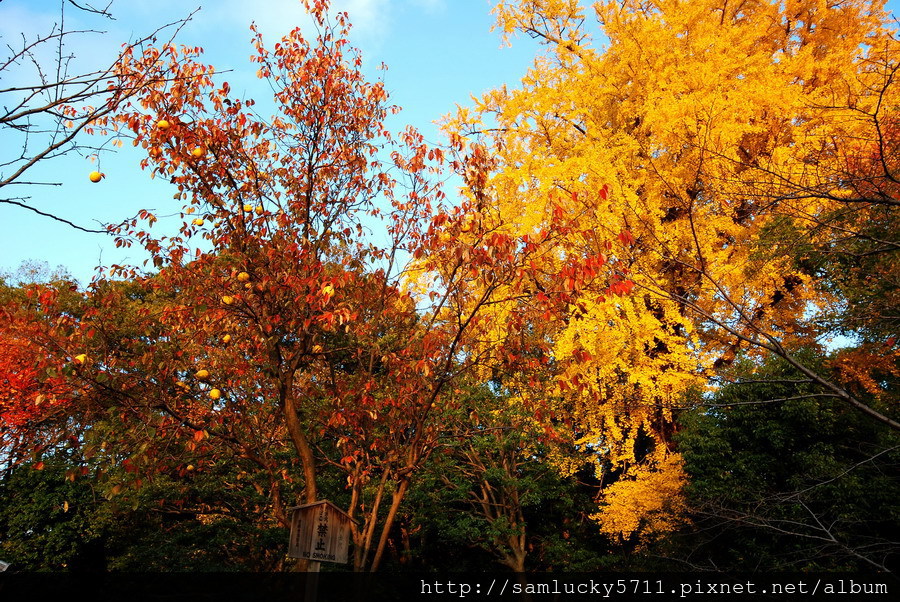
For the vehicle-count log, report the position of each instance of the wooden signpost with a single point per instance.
(320, 532)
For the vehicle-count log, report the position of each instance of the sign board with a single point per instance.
(319, 532)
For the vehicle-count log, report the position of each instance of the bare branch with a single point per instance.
(37, 110)
(51, 216)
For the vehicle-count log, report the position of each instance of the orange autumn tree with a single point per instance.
(710, 141)
(286, 325)
(36, 395)
(334, 296)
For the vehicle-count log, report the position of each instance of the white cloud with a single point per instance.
(275, 18)
(221, 27)
(370, 18)
(226, 22)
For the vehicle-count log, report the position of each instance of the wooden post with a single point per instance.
(312, 581)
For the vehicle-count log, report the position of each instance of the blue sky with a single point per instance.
(438, 53)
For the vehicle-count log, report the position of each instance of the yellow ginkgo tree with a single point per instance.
(712, 142)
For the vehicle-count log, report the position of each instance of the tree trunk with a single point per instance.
(398, 496)
(298, 437)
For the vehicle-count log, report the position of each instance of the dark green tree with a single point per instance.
(784, 477)
(61, 514)
(493, 496)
